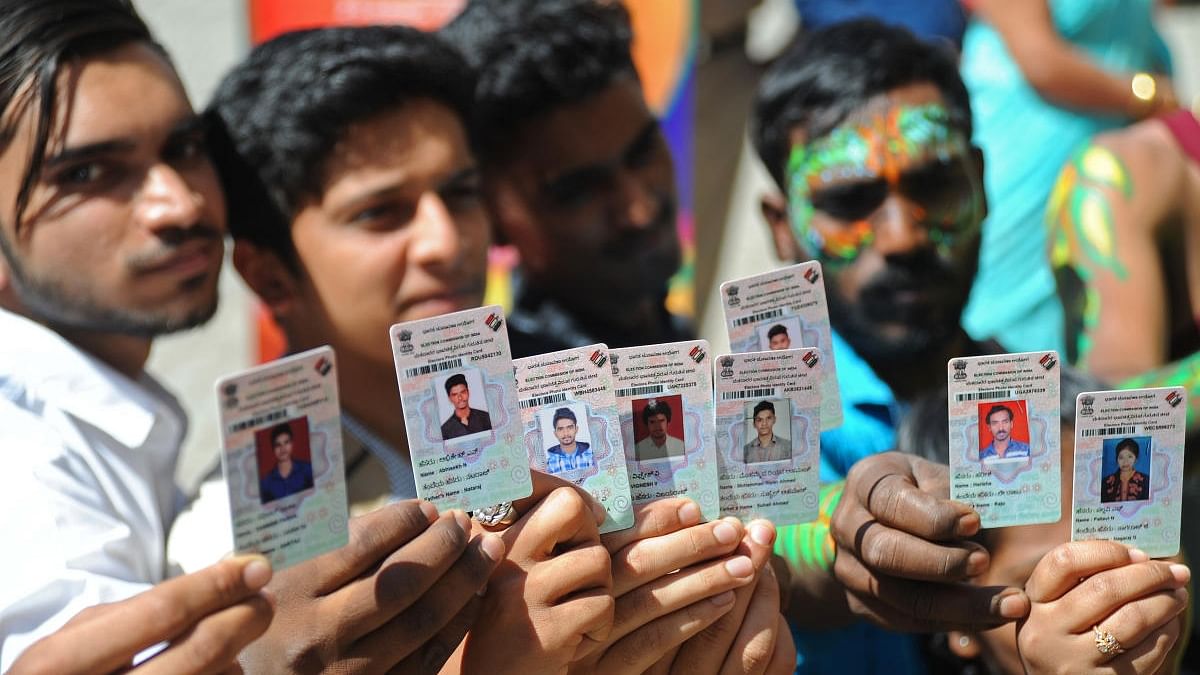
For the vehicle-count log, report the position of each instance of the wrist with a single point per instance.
(1147, 96)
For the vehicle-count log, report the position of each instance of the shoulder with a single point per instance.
(583, 446)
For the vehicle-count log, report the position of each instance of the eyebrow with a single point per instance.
(468, 172)
(193, 124)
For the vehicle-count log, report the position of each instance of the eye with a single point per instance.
(81, 174)
(381, 217)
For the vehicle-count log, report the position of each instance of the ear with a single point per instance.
(774, 211)
(268, 276)
(966, 646)
(514, 223)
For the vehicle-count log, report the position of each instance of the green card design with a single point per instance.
(282, 458)
(665, 401)
(1129, 467)
(785, 309)
(769, 434)
(1005, 456)
(460, 409)
(572, 429)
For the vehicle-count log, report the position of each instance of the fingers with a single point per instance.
(707, 650)
(654, 519)
(1144, 618)
(1114, 590)
(648, 559)
(754, 644)
(432, 615)
(1062, 568)
(638, 650)
(783, 660)
(432, 655)
(372, 537)
(544, 484)
(1147, 656)
(892, 552)
(673, 592)
(213, 644)
(909, 494)
(901, 604)
(585, 567)
(406, 575)
(564, 517)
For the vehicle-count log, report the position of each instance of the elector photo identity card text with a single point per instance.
(1005, 456)
(460, 409)
(785, 309)
(1128, 485)
(769, 434)
(572, 429)
(665, 401)
(282, 458)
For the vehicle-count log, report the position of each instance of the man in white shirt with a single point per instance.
(111, 227)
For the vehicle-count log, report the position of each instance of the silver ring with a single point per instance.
(496, 514)
(1106, 642)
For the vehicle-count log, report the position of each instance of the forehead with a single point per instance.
(879, 107)
(596, 130)
(412, 141)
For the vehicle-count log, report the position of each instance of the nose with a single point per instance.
(436, 239)
(899, 229)
(168, 201)
(637, 205)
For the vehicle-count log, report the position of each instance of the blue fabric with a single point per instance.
(1015, 449)
(558, 461)
(275, 486)
(928, 19)
(871, 414)
(1025, 141)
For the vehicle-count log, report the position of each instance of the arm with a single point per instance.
(207, 617)
(1060, 73)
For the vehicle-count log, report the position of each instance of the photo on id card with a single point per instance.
(1004, 437)
(769, 434)
(785, 309)
(571, 426)
(282, 458)
(665, 402)
(1128, 474)
(460, 409)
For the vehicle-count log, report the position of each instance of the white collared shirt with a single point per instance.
(87, 488)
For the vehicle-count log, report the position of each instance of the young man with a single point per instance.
(577, 173)
(111, 225)
(1124, 219)
(999, 420)
(766, 446)
(778, 338)
(658, 443)
(866, 130)
(570, 454)
(465, 419)
(357, 205)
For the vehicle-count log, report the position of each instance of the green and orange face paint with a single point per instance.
(885, 152)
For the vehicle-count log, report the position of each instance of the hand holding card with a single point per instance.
(1100, 607)
(903, 550)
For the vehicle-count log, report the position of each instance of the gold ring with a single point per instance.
(1106, 643)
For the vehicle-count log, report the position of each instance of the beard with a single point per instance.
(52, 303)
(881, 325)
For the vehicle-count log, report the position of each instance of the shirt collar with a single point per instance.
(39, 366)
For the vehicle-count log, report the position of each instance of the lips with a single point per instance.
(191, 259)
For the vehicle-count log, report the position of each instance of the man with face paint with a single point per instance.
(867, 132)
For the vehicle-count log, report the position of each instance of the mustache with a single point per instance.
(171, 241)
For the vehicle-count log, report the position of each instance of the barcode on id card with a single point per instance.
(991, 394)
(761, 316)
(433, 368)
(641, 391)
(543, 400)
(747, 393)
(1110, 431)
(258, 421)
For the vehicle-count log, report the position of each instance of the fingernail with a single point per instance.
(268, 595)
(689, 513)
(740, 567)
(257, 573)
(429, 510)
(763, 535)
(492, 546)
(725, 533)
(977, 563)
(463, 520)
(1013, 606)
(1138, 555)
(1181, 573)
(968, 524)
(722, 599)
